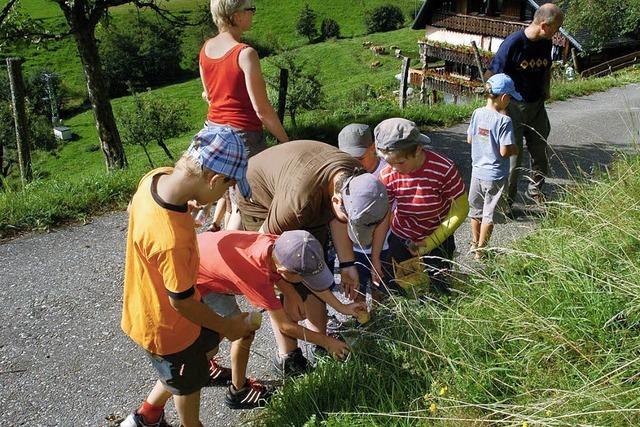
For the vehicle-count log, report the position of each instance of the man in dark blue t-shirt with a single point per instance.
(526, 57)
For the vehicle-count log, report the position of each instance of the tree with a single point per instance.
(40, 133)
(82, 17)
(384, 18)
(306, 25)
(604, 19)
(329, 29)
(304, 91)
(152, 120)
(144, 53)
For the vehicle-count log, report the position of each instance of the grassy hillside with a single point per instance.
(343, 67)
(548, 335)
(274, 24)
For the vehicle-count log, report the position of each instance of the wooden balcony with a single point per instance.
(457, 54)
(442, 82)
(476, 24)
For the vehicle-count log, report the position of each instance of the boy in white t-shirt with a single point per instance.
(357, 141)
(492, 143)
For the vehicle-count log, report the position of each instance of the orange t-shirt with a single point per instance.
(162, 257)
(229, 102)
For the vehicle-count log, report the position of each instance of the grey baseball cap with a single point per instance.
(355, 139)
(396, 133)
(299, 252)
(366, 204)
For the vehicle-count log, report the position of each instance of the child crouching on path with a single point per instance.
(162, 311)
(250, 264)
(492, 143)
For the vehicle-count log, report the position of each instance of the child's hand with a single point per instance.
(353, 308)
(193, 205)
(337, 349)
(237, 327)
(377, 273)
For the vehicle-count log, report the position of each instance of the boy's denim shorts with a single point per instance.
(223, 304)
(484, 197)
(186, 371)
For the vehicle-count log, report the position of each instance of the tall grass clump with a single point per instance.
(46, 203)
(549, 334)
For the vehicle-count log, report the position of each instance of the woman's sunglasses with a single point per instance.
(250, 9)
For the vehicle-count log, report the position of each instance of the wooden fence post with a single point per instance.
(282, 93)
(404, 75)
(476, 55)
(576, 64)
(16, 84)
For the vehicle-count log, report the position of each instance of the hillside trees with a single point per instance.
(152, 120)
(306, 25)
(604, 19)
(329, 29)
(384, 18)
(142, 53)
(304, 90)
(82, 17)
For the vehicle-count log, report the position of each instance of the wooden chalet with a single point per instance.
(448, 62)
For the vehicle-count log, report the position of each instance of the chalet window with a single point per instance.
(527, 12)
(477, 6)
(486, 7)
(449, 6)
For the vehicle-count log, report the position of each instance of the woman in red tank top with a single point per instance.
(234, 86)
(232, 77)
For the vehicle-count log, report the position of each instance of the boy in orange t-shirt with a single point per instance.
(162, 310)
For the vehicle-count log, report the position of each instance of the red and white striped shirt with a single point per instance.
(423, 197)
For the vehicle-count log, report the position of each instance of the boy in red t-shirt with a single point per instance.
(250, 264)
(428, 199)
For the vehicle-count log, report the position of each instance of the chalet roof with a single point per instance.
(578, 39)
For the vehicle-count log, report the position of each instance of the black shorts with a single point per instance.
(187, 371)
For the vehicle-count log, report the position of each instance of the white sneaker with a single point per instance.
(135, 420)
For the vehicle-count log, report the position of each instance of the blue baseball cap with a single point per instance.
(221, 150)
(501, 84)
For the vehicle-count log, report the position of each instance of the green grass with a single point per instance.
(548, 335)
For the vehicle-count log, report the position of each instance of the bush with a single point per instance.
(384, 18)
(152, 120)
(142, 52)
(306, 25)
(304, 91)
(329, 29)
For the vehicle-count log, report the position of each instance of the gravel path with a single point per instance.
(64, 360)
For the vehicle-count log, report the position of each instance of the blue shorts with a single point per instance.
(363, 264)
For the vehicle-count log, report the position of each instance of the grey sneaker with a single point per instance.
(252, 395)
(536, 197)
(135, 420)
(291, 364)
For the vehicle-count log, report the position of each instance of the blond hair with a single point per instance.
(189, 165)
(222, 11)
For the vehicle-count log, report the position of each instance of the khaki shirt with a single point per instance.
(289, 185)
